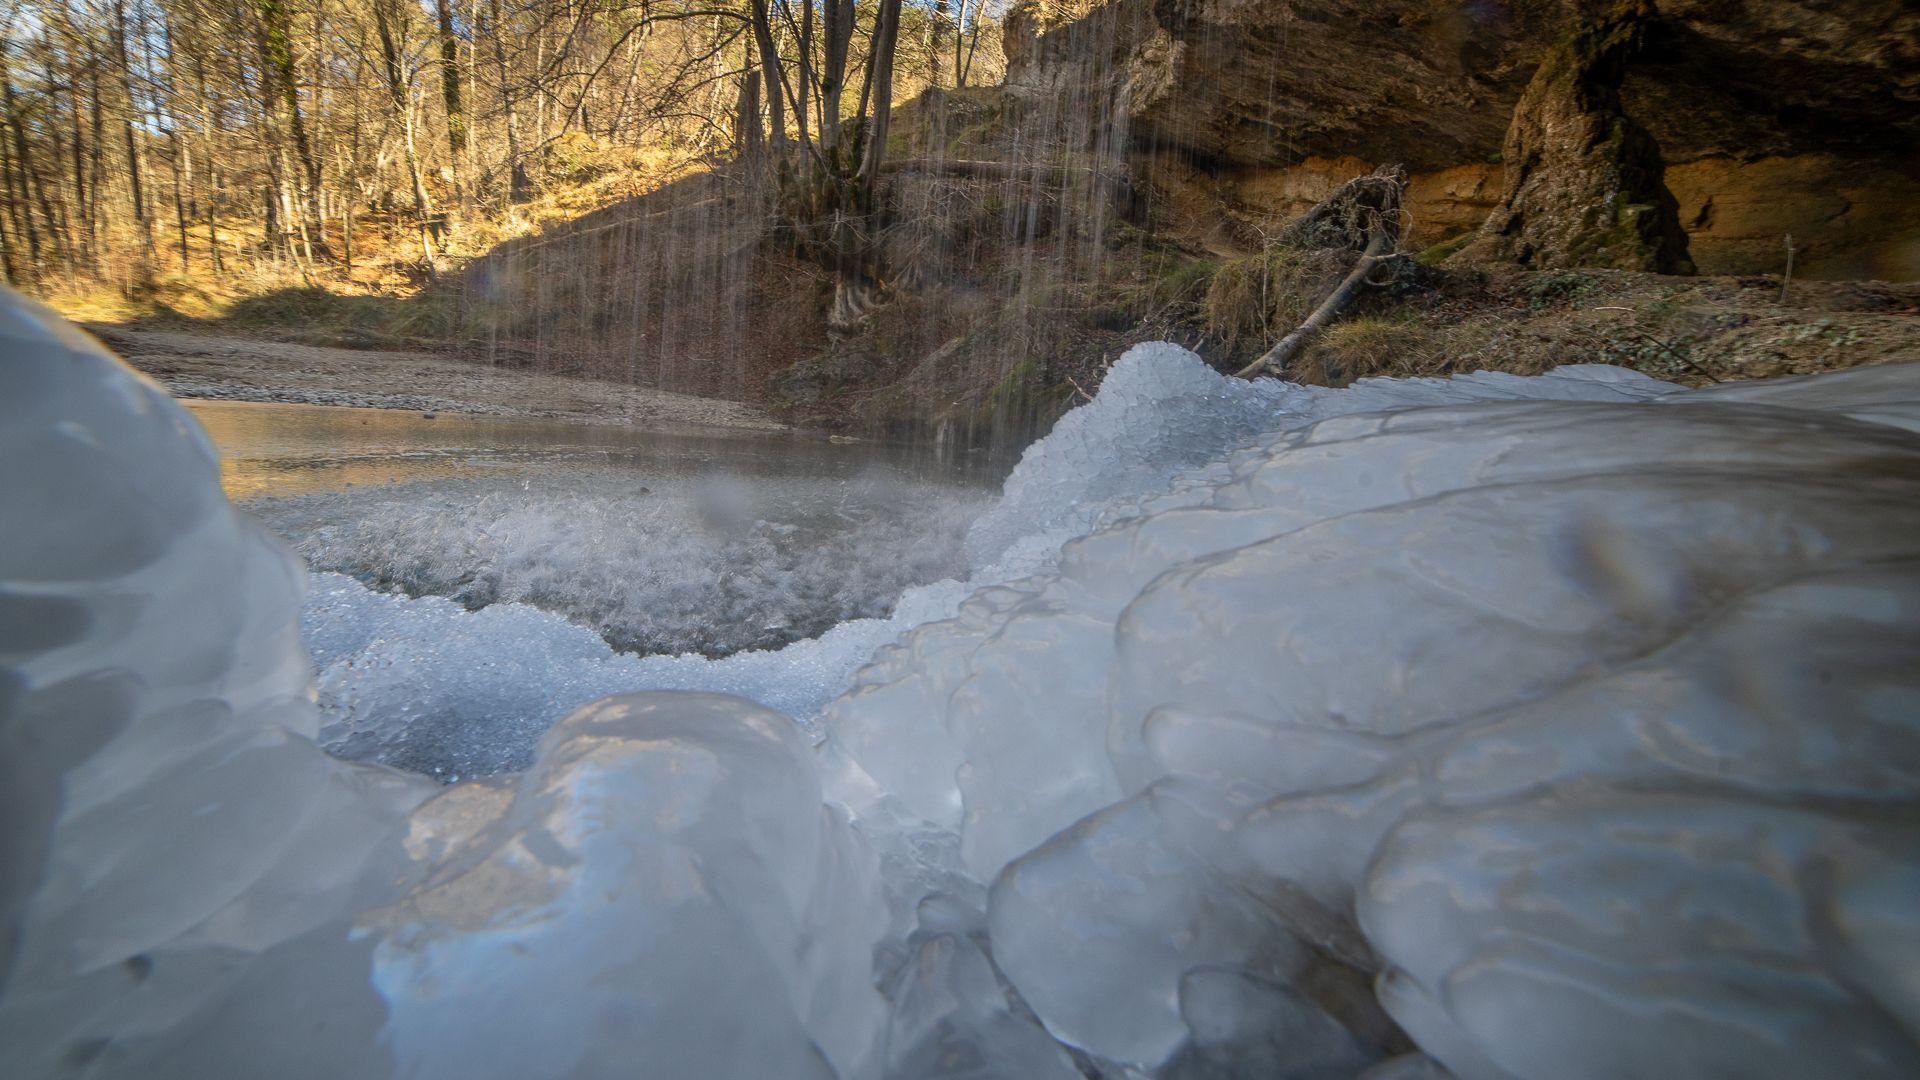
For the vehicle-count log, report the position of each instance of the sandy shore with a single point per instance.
(243, 369)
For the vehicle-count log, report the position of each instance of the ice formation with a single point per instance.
(194, 889)
(423, 685)
(1489, 727)
(709, 564)
(664, 892)
(1561, 720)
(169, 812)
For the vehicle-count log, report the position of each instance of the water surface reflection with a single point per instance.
(271, 450)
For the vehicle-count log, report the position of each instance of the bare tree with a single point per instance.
(828, 168)
(285, 131)
(393, 21)
(450, 89)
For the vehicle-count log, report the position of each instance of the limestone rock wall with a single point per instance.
(1848, 220)
(1773, 116)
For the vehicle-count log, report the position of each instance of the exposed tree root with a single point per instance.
(855, 299)
(1350, 216)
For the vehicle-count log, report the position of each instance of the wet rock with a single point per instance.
(819, 377)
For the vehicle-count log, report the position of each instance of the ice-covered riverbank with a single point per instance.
(1559, 727)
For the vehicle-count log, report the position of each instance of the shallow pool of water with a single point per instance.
(271, 450)
(662, 541)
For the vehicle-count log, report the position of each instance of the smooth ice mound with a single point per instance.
(194, 889)
(1568, 729)
(1588, 733)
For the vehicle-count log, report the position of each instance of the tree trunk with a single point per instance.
(450, 94)
(282, 92)
(213, 218)
(117, 35)
(213, 167)
(422, 206)
(19, 210)
(270, 233)
(973, 46)
(81, 202)
(833, 79)
(65, 240)
(97, 212)
(885, 36)
(771, 78)
(540, 94)
(400, 91)
(6, 254)
(746, 126)
(182, 175)
(20, 176)
(517, 183)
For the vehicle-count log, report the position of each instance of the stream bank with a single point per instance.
(230, 368)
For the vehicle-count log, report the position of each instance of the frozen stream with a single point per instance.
(1553, 728)
(694, 542)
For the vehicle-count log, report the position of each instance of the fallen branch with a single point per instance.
(1685, 360)
(1364, 213)
(1275, 360)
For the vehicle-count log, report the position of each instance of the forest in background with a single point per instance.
(940, 218)
(231, 146)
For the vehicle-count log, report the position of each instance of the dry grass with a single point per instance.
(1435, 323)
(1251, 302)
(1393, 345)
(1691, 330)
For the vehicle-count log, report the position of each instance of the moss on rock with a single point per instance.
(1585, 183)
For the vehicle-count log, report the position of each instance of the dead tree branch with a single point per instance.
(1275, 360)
(1364, 214)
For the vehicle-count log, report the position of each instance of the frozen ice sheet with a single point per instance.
(1557, 727)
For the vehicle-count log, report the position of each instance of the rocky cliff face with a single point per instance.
(1772, 116)
(1586, 184)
